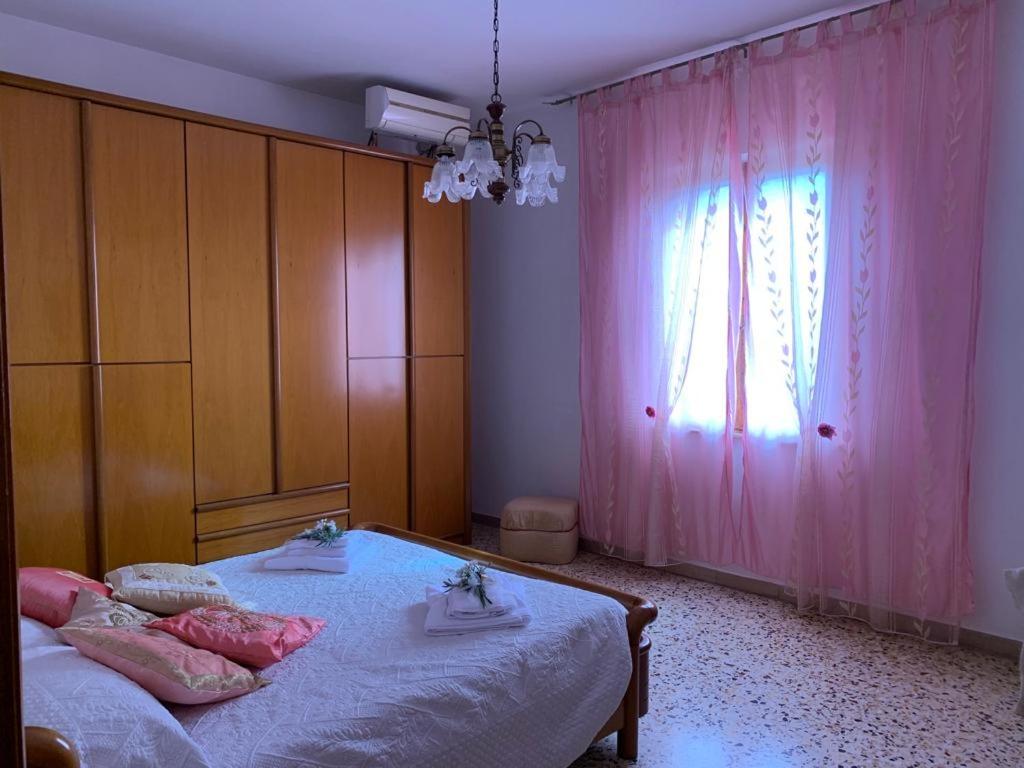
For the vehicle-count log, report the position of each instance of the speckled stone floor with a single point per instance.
(743, 680)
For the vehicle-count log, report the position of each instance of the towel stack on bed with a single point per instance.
(308, 555)
(458, 611)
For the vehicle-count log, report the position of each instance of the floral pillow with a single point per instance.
(169, 669)
(167, 587)
(48, 594)
(256, 639)
(94, 610)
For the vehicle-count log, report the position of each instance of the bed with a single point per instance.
(373, 690)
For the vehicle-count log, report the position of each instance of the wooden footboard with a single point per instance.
(639, 613)
(46, 748)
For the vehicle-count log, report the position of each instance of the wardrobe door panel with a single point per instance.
(375, 256)
(145, 464)
(438, 324)
(312, 355)
(43, 228)
(53, 460)
(439, 493)
(379, 434)
(229, 278)
(136, 174)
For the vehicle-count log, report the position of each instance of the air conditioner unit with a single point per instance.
(414, 117)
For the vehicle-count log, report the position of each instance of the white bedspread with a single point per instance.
(373, 690)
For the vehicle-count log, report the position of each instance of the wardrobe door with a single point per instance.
(229, 278)
(438, 245)
(312, 373)
(375, 256)
(439, 491)
(379, 434)
(52, 462)
(136, 175)
(145, 479)
(43, 228)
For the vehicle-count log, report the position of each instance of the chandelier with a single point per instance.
(482, 167)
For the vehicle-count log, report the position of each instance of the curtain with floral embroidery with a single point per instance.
(659, 293)
(867, 159)
(833, 353)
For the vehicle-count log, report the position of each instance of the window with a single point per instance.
(782, 292)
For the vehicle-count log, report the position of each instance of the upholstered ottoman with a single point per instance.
(539, 529)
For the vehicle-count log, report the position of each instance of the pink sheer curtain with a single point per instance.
(866, 180)
(658, 215)
(857, 195)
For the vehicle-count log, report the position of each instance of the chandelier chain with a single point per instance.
(496, 96)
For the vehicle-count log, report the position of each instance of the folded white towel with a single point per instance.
(439, 624)
(286, 562)
(307, 547)
(466, 605)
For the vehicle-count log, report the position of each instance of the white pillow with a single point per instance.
(36, 636)
(112, 721)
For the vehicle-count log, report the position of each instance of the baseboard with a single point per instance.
(488, 520)
(968, 638)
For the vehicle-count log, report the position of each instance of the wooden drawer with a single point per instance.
(214, 518)
(256, 538)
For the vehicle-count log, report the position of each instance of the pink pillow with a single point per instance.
(166, 667)
(256, 639)
(48, 594)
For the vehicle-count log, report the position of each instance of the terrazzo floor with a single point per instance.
(743, 680)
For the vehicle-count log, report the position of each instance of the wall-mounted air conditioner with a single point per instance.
(414, 117)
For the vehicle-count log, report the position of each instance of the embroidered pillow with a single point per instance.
(167, 587)
(48, 594)
(171, 670)
(256, 639)
(93, 610)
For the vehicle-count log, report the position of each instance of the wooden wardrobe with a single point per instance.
(219, 333)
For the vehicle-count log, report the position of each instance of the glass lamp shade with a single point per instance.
(443, 181)
(537, 173)
(477, 168)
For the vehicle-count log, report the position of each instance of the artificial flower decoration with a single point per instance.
(826, 430)
(651, 413)
(472, 578)
(325, 533)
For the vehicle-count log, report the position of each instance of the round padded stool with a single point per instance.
(540, 529)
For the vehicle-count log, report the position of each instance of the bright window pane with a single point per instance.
(785, 291)
(699, 363)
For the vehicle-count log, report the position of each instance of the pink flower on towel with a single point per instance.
(826, 430)
(651, 413)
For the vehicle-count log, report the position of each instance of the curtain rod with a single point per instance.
(742, 45)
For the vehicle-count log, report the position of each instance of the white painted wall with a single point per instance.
(53, 53)
(997, 481)
(525, 328)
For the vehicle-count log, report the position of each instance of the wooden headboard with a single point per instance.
(218, 332)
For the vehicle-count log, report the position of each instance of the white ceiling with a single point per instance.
(439, 48)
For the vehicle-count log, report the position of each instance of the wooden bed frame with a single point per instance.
(46, 748)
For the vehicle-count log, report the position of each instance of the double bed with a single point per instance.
(373, 690)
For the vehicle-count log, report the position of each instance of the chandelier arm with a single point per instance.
(517, 153)
(521, 123)
(452, 130)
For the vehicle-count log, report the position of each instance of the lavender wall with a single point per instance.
(526, 337)
(52, 53)
(997, 498)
